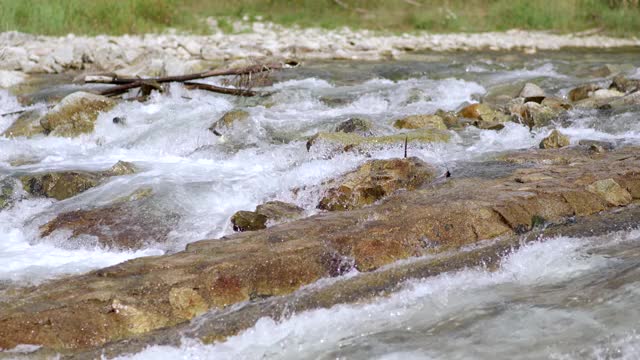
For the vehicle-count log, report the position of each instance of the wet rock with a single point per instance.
(75, 114)
(7, 189)
(484, 116)
(451, 120)
(355, 125)
(131, 223)
(530, 90)
(627, 100)
(624, 85)
(104, 306)
(271, 211)
(611, 192)
(555, 140)
(537, 115)
(349, 141)
(556, 104)
(248, 221)
(420, 122)
(27, 124)
(65, 184)
(228, 120)
(582, 92)
(597, 146)
(374, 180)
(606, 93)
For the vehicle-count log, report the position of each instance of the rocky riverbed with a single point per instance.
(436, 198)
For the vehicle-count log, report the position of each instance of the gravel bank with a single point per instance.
(170, 54)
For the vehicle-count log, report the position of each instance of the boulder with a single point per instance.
(130, 223)
(530, 90)
(451, 120)
(355, 125)
(62, 185)
(227, 120)
(611, 192)
(349, 141)
(420, 122)
(27, 124)
(555, 140)
(582, 92)
(271, 211)
(624, 85)
(374, 180)
(75, 114)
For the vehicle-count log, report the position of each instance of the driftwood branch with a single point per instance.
(124, 84)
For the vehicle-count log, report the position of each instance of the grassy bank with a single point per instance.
(58, 17)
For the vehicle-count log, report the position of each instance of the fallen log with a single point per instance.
(125, 84)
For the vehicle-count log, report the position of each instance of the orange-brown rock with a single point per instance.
(374, 180)
(135, 297)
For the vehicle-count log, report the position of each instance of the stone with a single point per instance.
(420, 122)
(355, 125)
(582, 92)
(607, 93)
(62, 185)
(102, 308)
(125, 224)
(75, 114)
(530, 90)
(537, 115)
(228, 120)
(27, 125)
(611, 192)
(271, 211)
(7, 189)
(601, 146)
(350, 141)
(556, 104)
(374, 180)
(555, 140)
(451, 120)
(624, 85)
(248, 221)
(9, 78)
(484, 116)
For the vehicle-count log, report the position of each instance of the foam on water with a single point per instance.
(454, 315)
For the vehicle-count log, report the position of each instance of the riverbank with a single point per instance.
(173, 54)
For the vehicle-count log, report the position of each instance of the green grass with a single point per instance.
(58, 17)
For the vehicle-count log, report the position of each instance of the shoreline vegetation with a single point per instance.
(60, 17)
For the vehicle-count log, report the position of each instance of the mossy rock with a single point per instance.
(274, 211)
(555, 140)
(228, 120)
(76, 114)
(355, 125)
(7, 189)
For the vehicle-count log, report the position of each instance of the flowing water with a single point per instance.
(563, 298)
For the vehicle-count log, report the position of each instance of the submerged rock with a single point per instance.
(129, 223)
(347, 141)
(76, 114)
(355, 125)
(555, 140)
(228, 120)
(420, 122)
(61, 185)
(271, 211)
(27, 124)
(374, 180)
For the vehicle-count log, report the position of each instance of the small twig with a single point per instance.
(22, 111)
